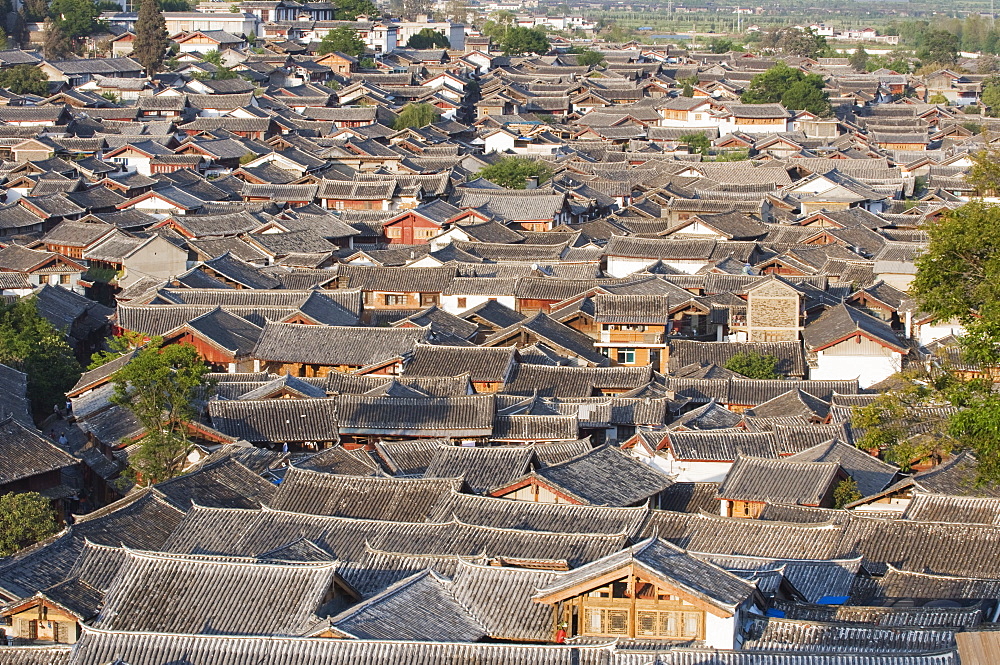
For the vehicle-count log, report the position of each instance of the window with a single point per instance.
(424, 233)
(395, 299)
(64, 279)
(659, 623)
(602, 621)
(461, 303)
(394, 232)
(626, 356)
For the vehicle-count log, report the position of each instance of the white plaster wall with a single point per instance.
(720, 633)
(450, 303)
(867, 369)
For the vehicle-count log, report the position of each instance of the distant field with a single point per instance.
(710, 17)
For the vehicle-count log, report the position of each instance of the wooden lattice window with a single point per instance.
(658, 623)
(605, 621)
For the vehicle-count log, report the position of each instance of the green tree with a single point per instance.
(513, 172)
(769, 86)
(899, 65)
(56, 44)
(939, 47)
(719, 45)
(31, 344)
(906, 424)
(588, 58)
(223, 73)
(859, 59)
(518, 41)
(806, 95)
(845, 492)
(25, 519)
(698, 142)
(117, 346)
(789, 86)
(428, 38)
(497, 25)
(991, 97)
(25, 80)
(213, 57)
(77, 18)
(937, 98)
(416, 116)
(958, 276)
(160, 385)
(688, 90)
(350, 10)
(342, 40)
(754, 365)
(35, 10)
(151, 38)
(794, 41)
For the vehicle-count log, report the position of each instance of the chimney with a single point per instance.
(531, 183)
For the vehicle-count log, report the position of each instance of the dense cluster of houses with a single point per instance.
(454, 422)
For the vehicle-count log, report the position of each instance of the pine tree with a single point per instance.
(150, 37)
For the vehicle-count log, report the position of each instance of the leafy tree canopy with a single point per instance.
(754, 365)
(990, 96)
(212, 57)
(721, 45)
(790, 87)
(428, 38)
(35, 10)
(587, 58)
(416, 116)
(845, 492)
(77, 18)
(349, 10)
(958, 276)
(806, 95)
(343, 40)
(160, 385)
(939, 47)
(25, 519)
(794, 41)
(518, 41)
(31, 344)
(903, 425)
(698, 142)
(497, 25)
(513, 172)
(958, 279)
(768, 87)
(25, 80)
